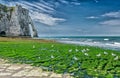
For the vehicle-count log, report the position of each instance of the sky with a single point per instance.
(73, 17)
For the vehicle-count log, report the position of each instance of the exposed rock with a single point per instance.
(15, 21)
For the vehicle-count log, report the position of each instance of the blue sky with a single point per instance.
(73, 17)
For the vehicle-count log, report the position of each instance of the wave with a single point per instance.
(115, 45)
(105, 42)
(106, 39)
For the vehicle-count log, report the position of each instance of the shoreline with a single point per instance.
(78, 61)
(4, 39)
(104, 42)
(44, 40)
(109, 47)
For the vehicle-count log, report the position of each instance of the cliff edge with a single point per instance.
(15, 21)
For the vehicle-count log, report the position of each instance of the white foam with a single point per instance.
(99, 44)
(106, 39)
(116, 43)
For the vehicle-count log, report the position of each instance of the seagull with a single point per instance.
(88, 49)
(75, 58)
(70, 50)
(116, 58)
(98, 55)
(76, 50)
(83, 50)
(33, 46)
(52, 56)
(113, 54)
(86, 54)
(105, 53)
(52, 45)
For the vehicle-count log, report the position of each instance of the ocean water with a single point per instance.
(108, 42)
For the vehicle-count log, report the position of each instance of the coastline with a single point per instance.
(106, 42)
(78, 61)
(64, 41)
(107, 46)
(5, 39)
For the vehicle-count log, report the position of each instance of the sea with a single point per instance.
(107, 42)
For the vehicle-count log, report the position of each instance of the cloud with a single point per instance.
(43, 10)
(106, 15)
(92, 17)
(112, 18)
(64, 1)
(43, 13)
(115, 22)
(39, 11)
(111, 21)
(46, 19)
(38, 7)
(112, 14)
(75, 3)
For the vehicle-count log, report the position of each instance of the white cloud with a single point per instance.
(42, 17)
(92, 17)
(112, 22)
(115, 22)
(64, 1)
(112, 14)
(46, 19)
(75, 3)
(40, 12)
(37, 6)
(109, 14)
(44, 6)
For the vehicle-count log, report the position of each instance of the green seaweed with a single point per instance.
(57, 57)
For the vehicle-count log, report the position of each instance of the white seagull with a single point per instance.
(86, 54)
(70, 50)
(113, 54)
(116, 58)
(98, 55)
(105, 53)
(76, 50)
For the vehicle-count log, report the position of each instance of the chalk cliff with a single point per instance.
(15, 21)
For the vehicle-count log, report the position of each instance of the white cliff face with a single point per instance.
(15, 21)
